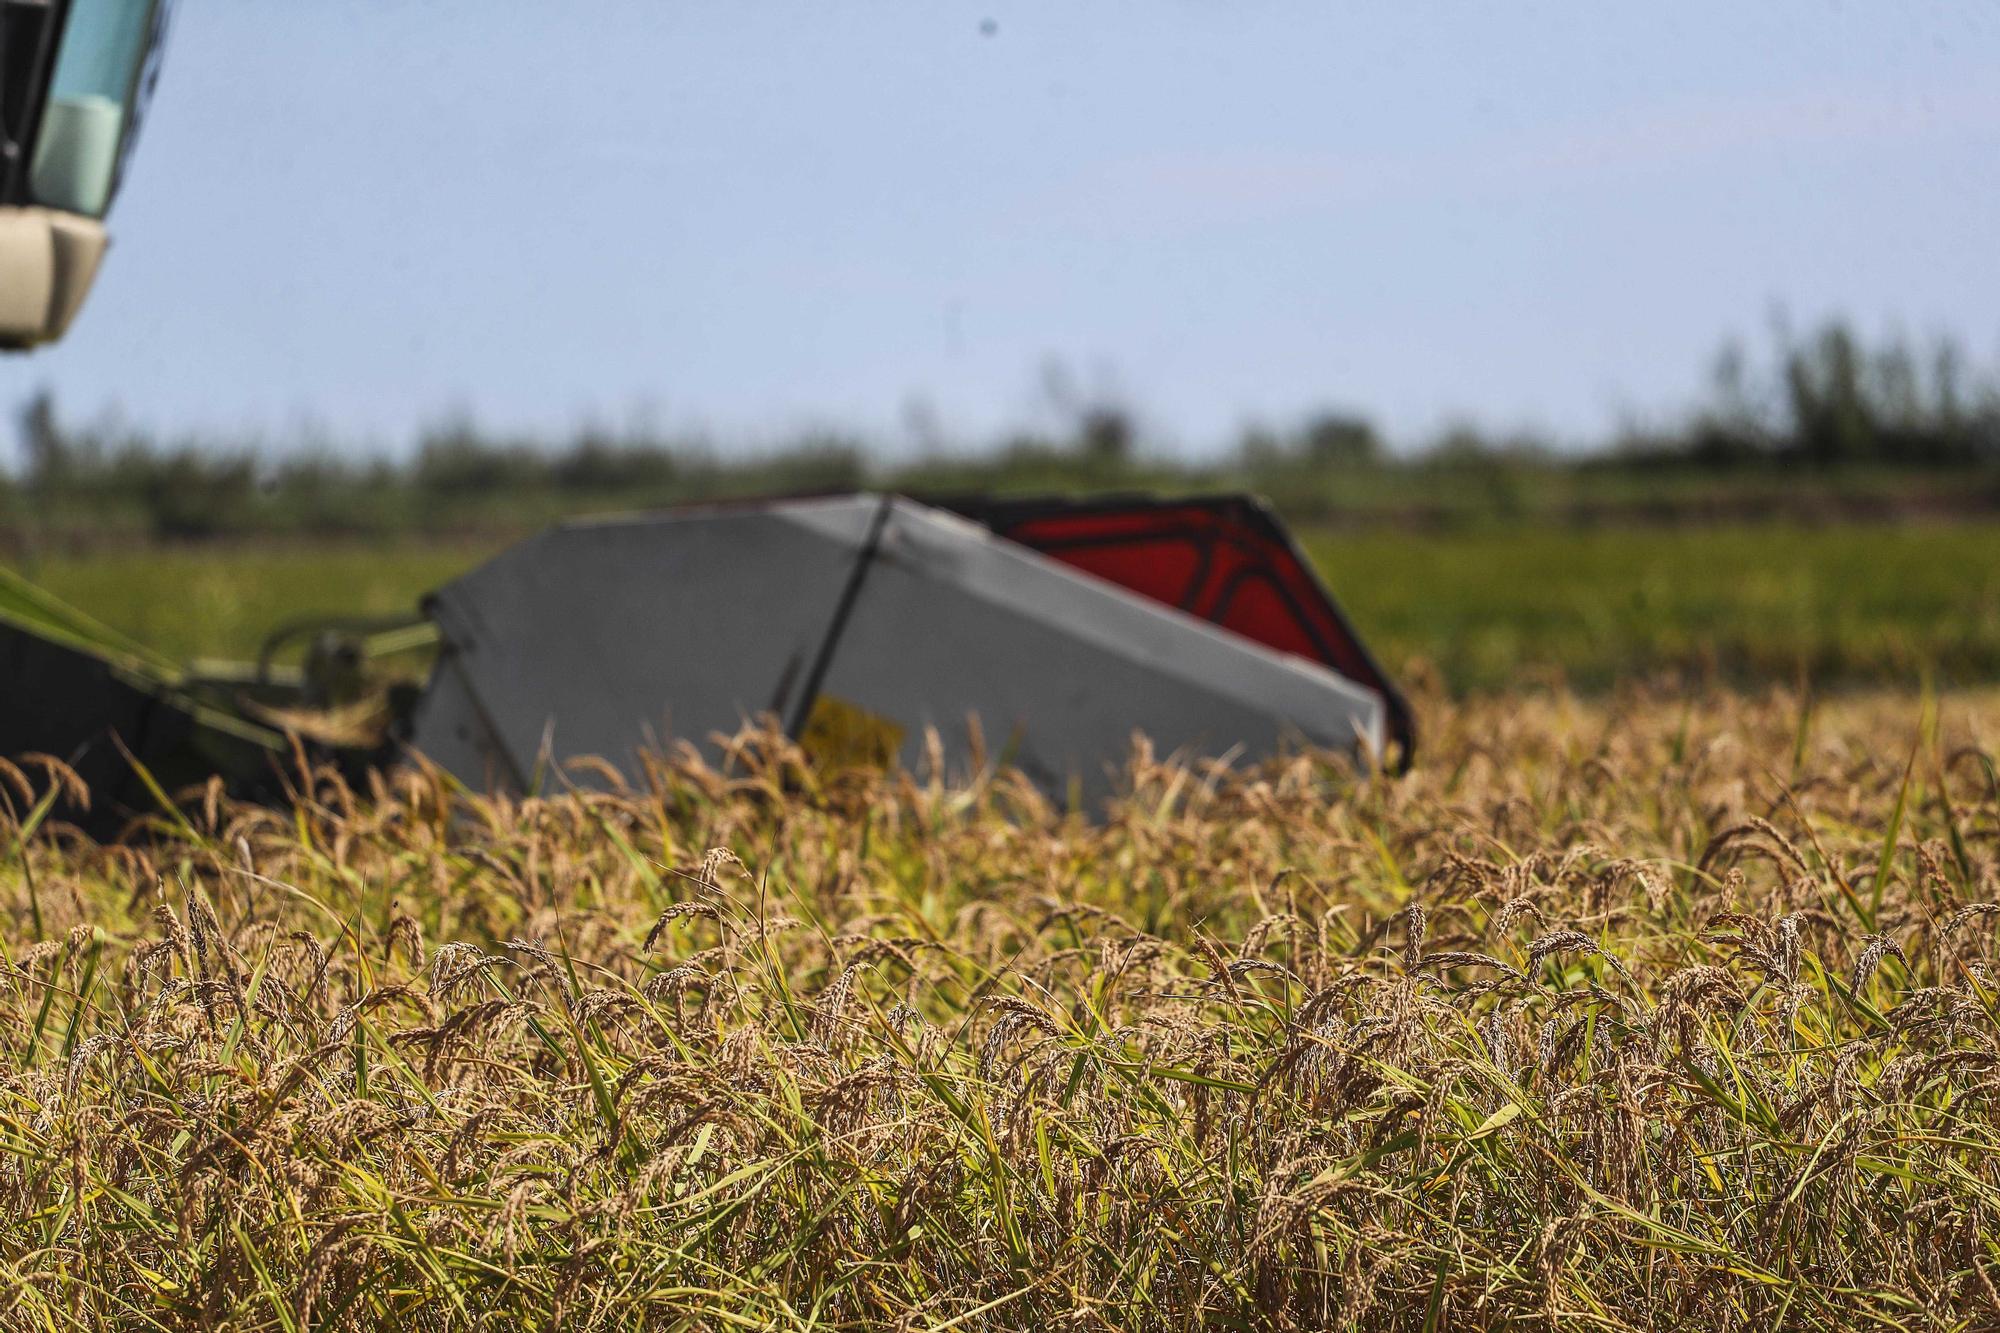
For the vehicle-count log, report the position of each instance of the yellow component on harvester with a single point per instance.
(839, 734)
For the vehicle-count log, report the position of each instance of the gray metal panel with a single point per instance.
(601, 637)
(1063, 668)
(452, 731)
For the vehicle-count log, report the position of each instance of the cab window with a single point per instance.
(89, 110)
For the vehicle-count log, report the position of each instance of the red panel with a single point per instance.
(1160, 569)
(1257, 612)
(1197, 560)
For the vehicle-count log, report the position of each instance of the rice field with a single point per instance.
(1648, 1010)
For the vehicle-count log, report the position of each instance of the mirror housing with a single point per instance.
(47, 262)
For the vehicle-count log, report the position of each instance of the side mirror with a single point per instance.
(47, 262)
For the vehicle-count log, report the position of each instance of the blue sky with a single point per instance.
(356, 216)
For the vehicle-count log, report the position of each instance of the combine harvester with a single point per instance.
(1043, 635)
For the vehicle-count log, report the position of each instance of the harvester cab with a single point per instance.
(75, 76)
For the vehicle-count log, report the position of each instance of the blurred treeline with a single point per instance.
(1821, 426)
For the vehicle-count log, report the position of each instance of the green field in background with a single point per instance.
(221, 600)
(1842, 603)
(1856, 603)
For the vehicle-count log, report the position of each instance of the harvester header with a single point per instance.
(1042, 634)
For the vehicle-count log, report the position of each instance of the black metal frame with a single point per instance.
(36, 69)
(795, 726)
